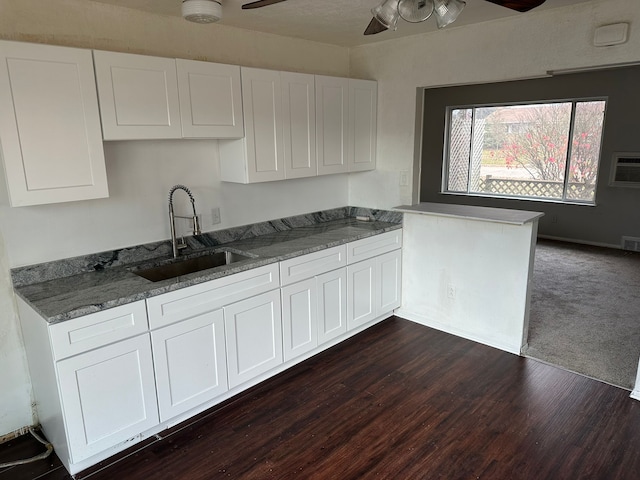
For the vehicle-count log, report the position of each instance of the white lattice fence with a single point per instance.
(534, 188)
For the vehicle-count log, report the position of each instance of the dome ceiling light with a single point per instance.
(202, 11)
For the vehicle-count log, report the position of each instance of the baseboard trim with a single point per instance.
(581, 242)
(635, 394)
(422, 320)
(15, 434)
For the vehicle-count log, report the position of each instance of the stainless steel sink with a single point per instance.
(186, 266)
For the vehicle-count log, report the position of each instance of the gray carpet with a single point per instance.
(585, 311)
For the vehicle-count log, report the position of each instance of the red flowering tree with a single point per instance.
(540, 143)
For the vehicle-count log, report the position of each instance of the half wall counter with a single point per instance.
(467, 271)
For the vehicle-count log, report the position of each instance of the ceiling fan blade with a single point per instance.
(374, 27)
(518, 5)
(260, 3)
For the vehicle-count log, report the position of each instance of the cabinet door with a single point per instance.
(390, 281)
(138, 96)
(50, 125)
(363, 108)
(253, 332)
(191, 365)
(362, 286)
(332, 304)
(299, 124)
(210, 99)
(332, 111)
(108, 396)
(299, 318)
(262, 100)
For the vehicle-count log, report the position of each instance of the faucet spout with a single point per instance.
(175, 245)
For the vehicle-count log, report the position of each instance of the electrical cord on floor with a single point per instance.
(42, 456)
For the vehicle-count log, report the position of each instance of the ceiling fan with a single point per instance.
(385, 15)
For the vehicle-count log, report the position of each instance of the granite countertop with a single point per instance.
(88, 284)
(469, 212)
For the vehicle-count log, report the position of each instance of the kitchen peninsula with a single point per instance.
(467, 271)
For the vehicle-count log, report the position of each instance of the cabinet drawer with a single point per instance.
(198, 299)
(307, 266)
(374, 246)
(97, 329)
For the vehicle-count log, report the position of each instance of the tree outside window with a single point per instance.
(544, 151)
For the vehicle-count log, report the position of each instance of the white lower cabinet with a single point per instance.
(108, 395)
(332, 304)
(361, 290)
(373, 288)
(253, 331)
(299, 318)
(191, 363)
(108, 379)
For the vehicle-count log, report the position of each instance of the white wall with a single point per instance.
(141, 173)
(523, 46)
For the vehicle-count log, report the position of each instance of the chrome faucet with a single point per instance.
(175, 245)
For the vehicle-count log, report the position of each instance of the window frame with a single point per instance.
(564, 200)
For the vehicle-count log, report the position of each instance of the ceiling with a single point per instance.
(338, 22)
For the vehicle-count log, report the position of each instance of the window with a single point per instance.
(546, 151)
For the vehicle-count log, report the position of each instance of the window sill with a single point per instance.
(521, 199)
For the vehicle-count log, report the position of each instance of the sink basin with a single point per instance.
(186, 266)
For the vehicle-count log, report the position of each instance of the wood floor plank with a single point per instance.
(402, 401)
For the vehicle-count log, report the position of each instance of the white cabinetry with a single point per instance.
(332, 126)
(253, 330)
(313, 299)
(299, 124)
(102, 381)
(259, 156)
(299, 318)
(188, 337)
(108, 395)
(279, 117)
(92, 379)
(210, 99)
(332, 304)
(346, 111)
(191, 363)
(363, 111)
(50, 138)
(138, 96)
(143, 97)
(373, 277)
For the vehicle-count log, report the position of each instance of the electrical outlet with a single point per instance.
(404, 178)
(215, 216)
(554, 218)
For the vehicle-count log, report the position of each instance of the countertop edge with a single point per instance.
(470, 212)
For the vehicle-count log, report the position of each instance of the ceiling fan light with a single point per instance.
(447, 11)
(415, 11)
(387, 13)
(202, 11)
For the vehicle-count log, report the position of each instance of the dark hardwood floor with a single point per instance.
(399, 401)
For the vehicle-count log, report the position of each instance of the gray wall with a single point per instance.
(617, 210)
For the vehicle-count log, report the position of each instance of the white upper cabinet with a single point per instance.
(50, 137)
(332, 113)
(363, 108)
(299, 124)
(210, 99)
(259, 156)
(138, 96)
(346, 111)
